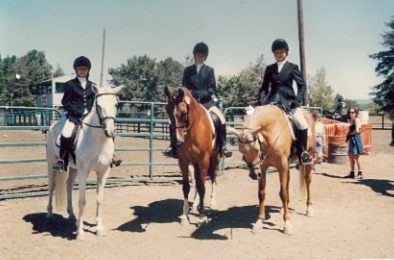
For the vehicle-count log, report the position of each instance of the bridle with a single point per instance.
(187, 126)
(253, 166)
(261, 155)
(98, 108)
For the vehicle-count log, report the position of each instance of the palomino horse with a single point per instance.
(195, 146)
(93, 152)
(265, 140)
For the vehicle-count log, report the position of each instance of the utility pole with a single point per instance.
(102, 61)
(302, 49)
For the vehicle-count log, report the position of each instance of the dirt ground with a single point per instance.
(352, 217)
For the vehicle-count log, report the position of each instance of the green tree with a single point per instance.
(373, 108)
(383, 94)
(19, 74)
(169, 73)
(58, 72)
(242, 89)
(319, 92)
(145, 78)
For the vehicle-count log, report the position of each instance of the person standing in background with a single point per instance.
(355, 143)
(320, 139)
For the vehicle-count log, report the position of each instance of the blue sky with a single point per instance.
(339, 34)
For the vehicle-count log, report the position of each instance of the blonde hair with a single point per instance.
(316, 114)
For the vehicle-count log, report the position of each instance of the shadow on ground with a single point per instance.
(168, 211)
(379, 186)
(57, 227)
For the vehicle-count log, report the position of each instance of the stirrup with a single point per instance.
(225, 153)
(60, 166)
(306, 158)
(115, 163)
(171, 153)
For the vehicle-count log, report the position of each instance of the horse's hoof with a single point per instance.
(184, 221)
(194, 210)
(203, 223)
(81, 237)
(101, 233)
(213, 206)
(310, 213)
(288, 231)
(257, 228)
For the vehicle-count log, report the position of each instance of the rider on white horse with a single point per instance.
(279, 79)
(78, 101)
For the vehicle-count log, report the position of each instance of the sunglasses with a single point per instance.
(351, 112)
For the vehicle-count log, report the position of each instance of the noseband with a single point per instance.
(101, 119)
(186, 127)
(261, 156)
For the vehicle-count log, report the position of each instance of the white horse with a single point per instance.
(94, 151)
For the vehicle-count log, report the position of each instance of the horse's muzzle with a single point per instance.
(109, 134)
(179, 143)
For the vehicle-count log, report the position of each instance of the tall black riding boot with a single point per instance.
(171, 151)
(62, 163)
(115, 161)
(221, 141)
(305, 157)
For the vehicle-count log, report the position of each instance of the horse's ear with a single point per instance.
(181, 93)
(117, 89)
(233, 131)
(95, 88)
(253, 132)
(166, 91)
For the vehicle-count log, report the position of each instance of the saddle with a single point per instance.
(216, 122)
(292, 126)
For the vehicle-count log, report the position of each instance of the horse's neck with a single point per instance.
(269, 120)
(93, 120)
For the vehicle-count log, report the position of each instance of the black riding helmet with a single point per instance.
(82, 61)
(280, 44)
(201, 48)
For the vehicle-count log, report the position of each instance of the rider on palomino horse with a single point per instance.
(279, 78)
(200, 80)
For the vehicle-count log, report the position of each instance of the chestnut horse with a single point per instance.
(195, 145)
(265, 140)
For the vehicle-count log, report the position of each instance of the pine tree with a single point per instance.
(384, 92)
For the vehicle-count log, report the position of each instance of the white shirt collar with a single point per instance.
(280, 64)
(199, 67)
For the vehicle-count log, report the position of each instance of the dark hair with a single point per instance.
(355, 111)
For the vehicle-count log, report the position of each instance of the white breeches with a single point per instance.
(218, 113)
(68, 129)
(299, 119)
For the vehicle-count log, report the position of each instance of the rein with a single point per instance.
(262, 156)
(98, 113)
(186, 126)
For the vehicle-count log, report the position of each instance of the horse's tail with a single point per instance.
(302, 180)
(60, 189)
